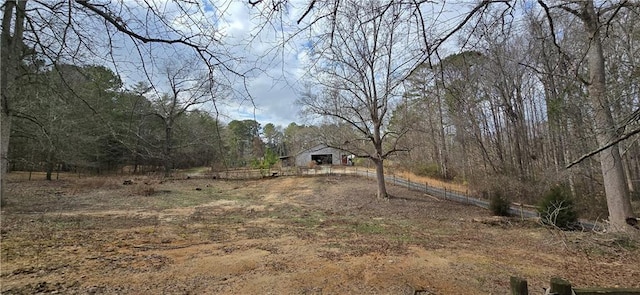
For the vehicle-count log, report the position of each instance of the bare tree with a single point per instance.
(428, 137)
(187, 91)
(594, 20)
(360, 67)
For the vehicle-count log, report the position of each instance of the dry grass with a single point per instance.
(433, 182)
(285, 235)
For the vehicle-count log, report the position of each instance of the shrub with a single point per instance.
(557, 209)
(499, 205)
(265, 163)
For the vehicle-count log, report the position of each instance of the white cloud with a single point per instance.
(272, 87)
(245, 36)
(237, 27)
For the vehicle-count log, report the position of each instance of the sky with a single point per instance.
(275, 67)
(272, 88)
(275, 90)
(268, 95)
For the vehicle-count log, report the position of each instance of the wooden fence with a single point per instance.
(559, 286)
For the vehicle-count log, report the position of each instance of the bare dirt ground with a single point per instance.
(284, 235)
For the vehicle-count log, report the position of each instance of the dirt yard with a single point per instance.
(284, 235)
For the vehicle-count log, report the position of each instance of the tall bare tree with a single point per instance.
(188, 90)
(360, 67)
(594, 20)
(425, 108)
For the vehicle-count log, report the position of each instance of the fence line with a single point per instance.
(515, 209)
(445, 193)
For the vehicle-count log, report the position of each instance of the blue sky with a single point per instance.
(271, 85)
(273, 88)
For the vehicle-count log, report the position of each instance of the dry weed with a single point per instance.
(144, 190)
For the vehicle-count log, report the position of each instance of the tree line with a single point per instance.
(83, 118)
(511, 116)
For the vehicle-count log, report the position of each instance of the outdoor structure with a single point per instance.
(322, 155)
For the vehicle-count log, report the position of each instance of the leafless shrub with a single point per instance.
(550, 215)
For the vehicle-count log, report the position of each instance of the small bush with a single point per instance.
(499, 205)
(557, 209)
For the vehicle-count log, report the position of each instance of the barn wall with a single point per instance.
(304, 157)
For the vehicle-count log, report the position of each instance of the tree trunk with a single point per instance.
(49, 171)
(10, 52)
(167, 150)
(378, 159)
(443, 153)
(49, 164)
(627, 173)
(5, 131)
(382, 187)
(618, 201)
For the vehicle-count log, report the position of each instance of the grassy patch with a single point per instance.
(309, 219)
(369, 228)
(179, 200)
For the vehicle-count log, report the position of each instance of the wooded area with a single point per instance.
(509, 97)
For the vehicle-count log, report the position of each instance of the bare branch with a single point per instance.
(133, 34)
(309, 8)
(551, 25)
(606, 146)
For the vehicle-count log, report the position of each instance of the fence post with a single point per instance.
(560, 286)
(426, 187)
(519, 286)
